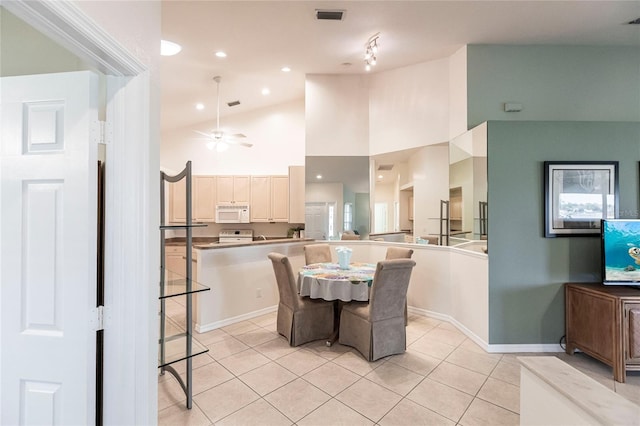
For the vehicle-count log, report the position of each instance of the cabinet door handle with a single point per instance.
(192, 260)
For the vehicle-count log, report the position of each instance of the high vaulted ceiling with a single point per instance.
(261, 37)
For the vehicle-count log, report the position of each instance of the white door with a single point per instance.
(48, 166)
(316, 221)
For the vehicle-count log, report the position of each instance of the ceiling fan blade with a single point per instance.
(237, 135)
(234, 142)
(204, 134)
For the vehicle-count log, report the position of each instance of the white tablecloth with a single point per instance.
(327, 281)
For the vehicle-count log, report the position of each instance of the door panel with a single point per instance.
(48, 175)
(316, 221)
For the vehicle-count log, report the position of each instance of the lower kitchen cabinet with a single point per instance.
(176, 260)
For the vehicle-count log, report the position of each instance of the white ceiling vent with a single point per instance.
(233, 103)
(385, 167)
(329, 15)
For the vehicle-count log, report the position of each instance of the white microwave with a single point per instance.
(232, 213)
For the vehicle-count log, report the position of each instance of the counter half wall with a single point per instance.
(447, 283)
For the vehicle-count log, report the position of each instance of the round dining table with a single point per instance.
(329, 282)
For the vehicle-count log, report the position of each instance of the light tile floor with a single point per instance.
(251, 376)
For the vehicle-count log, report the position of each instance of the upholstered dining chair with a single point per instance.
(346, 236)
(376, 329)
(400, 253)
(300, 319)
(317, 253)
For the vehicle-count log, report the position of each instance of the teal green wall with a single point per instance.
(526, 270)
(553, 83)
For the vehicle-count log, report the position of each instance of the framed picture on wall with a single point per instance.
(577, 195)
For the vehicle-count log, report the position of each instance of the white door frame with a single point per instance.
(131, 208)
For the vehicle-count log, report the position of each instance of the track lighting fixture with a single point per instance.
(371, 51)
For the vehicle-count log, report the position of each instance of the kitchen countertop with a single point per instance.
(212, 243)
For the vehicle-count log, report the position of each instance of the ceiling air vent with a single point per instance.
(233, 103)
(635, 22)
(329, 15)
(385, 167)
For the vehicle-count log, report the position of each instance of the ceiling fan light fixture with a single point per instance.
(218, 137)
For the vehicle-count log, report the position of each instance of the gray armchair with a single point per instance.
(300, 319)
(377, 329)
(317, 253)
(400, 253)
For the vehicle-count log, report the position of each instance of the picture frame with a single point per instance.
(577, 195)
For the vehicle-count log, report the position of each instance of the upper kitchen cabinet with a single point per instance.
(177, 202)
(204, 198)
(269, 198)
(233, 189)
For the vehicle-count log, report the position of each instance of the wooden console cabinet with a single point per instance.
(604, 322)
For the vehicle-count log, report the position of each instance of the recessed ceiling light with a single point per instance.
(221, 54)
(266, 91)
(318, 176)
(380, 176)
(285, 69)
(199, 106)
(169, 48)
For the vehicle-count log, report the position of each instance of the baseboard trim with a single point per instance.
(203, 328)
(496, 348)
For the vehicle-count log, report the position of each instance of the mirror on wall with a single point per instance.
(468, 206)
(393, 192)
(337, 196)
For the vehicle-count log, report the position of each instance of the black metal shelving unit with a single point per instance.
(177, 343)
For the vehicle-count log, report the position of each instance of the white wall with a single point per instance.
(458, 92)
(430, 174)
(277, 134)
(409, 107)
(337, 115)
(385, 193)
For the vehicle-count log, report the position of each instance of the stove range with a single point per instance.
(235, 236)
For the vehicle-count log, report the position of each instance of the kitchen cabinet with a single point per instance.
(177, 202)
(204, 198)
(604, 322)
(269, 198)
(176, 260)
(297, 187)
(233, 189)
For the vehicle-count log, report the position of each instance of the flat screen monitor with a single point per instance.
(620, 251)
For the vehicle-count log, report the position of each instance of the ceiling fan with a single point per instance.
(219, 139)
